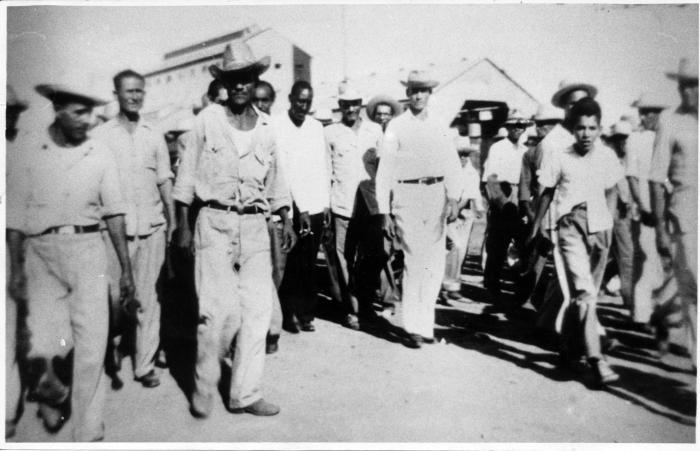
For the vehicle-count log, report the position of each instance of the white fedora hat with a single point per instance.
(419, 79)
(348, 92)
(548, 113)
(651, 100)
(566, 86)
(687, 70)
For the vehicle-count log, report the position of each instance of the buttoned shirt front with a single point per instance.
(51, 186)
(305, 162)
(676, 158)
(416, 146)
(583, 179)
(216, 166)
(144, 164)
(639, 151)
(347, 146)
(505, 160)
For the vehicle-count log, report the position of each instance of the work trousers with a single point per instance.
(458, 234)
(279, 260)
(68, 309)
(233, 276)
(585, 255)
(341, 264)
(647, 270)
(147, 255)
(420, 220)
(622, 250)
(504, 226)
(298, 291)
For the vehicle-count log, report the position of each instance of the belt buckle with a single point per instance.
(66, 230)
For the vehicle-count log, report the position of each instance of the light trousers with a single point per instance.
(648, 272)
(458, 234)
(13, 387)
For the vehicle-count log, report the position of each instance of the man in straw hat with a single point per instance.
(146, 180)
(13, 387)
(61, 184)
(231, 166)
(639, 151)
(382, 108)
(419, 166)
(502, 175)
(348, 141)
(676, 158)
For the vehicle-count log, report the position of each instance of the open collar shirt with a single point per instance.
(51, 186)
(416, 146)
(583, 179)
(347, 147)
(144, 164)
(217, 166)
(305, 162)
(505, 160)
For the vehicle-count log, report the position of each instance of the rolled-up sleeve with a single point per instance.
(276, 187)
(663, 144)
(110, 189)
(186, 173)
(385, 172)
(163, 169)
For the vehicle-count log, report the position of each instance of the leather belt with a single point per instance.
(247, 210)
(70, 230)
(424, 180)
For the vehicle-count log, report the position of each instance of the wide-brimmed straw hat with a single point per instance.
(56, 92)
(419, 79)
(516, 117)
(548, 113)
(382, 99)
(238, 57)
(13, 100)
(687, 70)
(566, 86)
(348, 93)
(651, 101)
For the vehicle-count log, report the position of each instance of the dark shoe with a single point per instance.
(413, 341)
(149, 380)
(290, 326)
(427, 340)
(308, 326)
(602, 372)
(271, 344)
(201, 405)
(10, 429)
(351, 322)
(260, 408)
(53, 417)
(117, 383)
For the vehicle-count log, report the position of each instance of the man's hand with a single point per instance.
(289, 238)
(452, 210)
(127, 292)
(184, 240)
(663, 246)
(326, 217)
(304, 224)
(647, 218)
(18, 285)
(169, 233)
(388, 227)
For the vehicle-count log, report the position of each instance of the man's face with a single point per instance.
(240, 89)
(571, 98)
(464, 158)
(300, 104)
(586, 131)
(263, 99)
(74, 121)
(515, 131)
(688, 90)
(130, 95)
(649, 118)
(418, 98)
(383, 114)
(350, 109)
(543, 128)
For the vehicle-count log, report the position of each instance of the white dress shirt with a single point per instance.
(505, 160)
(304, 162)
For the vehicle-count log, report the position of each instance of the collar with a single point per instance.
(122, 121)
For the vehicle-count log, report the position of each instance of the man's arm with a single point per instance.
(117, 233)
(166, 194)
(18, 276)
(543, 203)
(658, 208)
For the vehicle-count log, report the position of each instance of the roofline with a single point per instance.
(208, 43)
(505, 74)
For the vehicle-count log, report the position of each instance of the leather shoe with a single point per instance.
(308, 326)
(201, 405)
(271, 344)
(290, 326)
(149, 380)
(53, 417)
(351, 322)
(413, 341)
(602, 372)
(260, 408)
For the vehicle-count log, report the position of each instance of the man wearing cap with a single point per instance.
(305, 161)
(13, 387)
(146, 180)
(348, 141)
(676, 158)
(420, 168)
(502, 175)
(60, 185)
(639, 151)
(231, 166)
(382, 108)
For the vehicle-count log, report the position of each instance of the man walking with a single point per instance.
(231, 166)
(420, 167)
(145, 177)
(61, 184)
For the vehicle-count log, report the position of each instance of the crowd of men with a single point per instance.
(95, 217)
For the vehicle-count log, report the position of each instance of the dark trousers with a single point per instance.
(298, 292)
(503, 226)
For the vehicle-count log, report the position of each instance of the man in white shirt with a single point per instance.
(348, 141)
(305, 164)
(583, 217)
(419, 166)
(502, 176)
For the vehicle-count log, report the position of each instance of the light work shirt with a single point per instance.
(639, 151)
(144, 164)
(505, 160)
(676, 158)
(51, 186)
(347, 147)
(217, 165)
(557, 140)
(416, 146)
(583, 178)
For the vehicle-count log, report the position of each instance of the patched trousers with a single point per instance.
(68, 309)
(419, 214)
(233, 277)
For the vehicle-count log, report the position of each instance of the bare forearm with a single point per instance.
(611, 199)
(166, 194)
(635, 190)
(658, 202)
(543, 203)
(117, 233)
(15, 245)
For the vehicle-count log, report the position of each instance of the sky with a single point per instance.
(623, 49)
